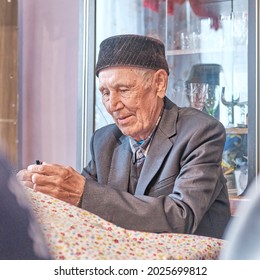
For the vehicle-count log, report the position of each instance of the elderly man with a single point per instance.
(157, 169)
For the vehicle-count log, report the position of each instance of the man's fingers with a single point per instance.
(37, 168)
(47, 169)
(49, 190)
(52, 191)
(66, 196)
(28, 184)
(43, 180)
(24, 175)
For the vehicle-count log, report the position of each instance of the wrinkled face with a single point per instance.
(132, 98)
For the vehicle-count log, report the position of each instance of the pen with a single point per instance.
(38, 162)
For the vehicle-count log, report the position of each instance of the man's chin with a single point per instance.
(127, 132)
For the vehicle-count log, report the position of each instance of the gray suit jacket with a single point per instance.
(181, 188)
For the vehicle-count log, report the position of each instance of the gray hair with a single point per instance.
(146, 75)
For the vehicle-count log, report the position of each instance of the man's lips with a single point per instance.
(123, 119)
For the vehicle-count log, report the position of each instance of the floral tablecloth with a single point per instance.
(73, 233)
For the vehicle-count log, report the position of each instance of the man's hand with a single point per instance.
(25, 178)
(59, 181)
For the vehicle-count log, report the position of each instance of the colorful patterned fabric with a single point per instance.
(73, 233)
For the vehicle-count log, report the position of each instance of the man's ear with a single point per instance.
(161, 81)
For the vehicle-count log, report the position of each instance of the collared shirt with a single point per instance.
(140, 150)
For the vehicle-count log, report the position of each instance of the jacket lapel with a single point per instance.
(160, 146)
(120, 165)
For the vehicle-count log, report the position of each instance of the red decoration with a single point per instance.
(198, 8)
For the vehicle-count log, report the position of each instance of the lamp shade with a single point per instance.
(205, 73)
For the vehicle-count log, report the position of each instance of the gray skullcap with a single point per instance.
(132, 50)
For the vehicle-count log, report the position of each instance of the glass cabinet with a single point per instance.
(207, 48)
(212, 55)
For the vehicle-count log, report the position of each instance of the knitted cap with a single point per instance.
(132, 50)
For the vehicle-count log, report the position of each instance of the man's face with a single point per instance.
(131, 99)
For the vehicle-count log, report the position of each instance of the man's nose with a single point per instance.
(115, 102)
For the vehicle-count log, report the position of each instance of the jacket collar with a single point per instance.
(160, 146)
(169, 118)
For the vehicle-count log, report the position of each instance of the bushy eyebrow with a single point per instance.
(129, 84)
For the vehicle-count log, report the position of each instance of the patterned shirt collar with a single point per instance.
(140, 148)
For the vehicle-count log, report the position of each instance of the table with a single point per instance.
(73, 234)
